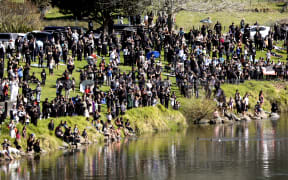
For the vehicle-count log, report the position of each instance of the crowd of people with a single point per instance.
(202, 58)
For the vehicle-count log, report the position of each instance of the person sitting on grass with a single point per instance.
(128, 126)
(5, 144)
(77, 138)
(257, 109)
(118, 133)
(30, 143)
(96, 117)
(85, 135)
(68, 135)
(33, 78)
(16, 143)
(176, 106)
(106, 130)
(59, 132)
(99, 125)
(24, 132)
(51, 125)
(36, 146)
(231, 104)
(119, 123)
(7, 153)
(274, 107)
(76, 130)
(65, 125)
(27, 119)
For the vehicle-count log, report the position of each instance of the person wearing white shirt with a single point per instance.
(181, 53)
(113, 55)
(75, 36)
(2, 50)
(268, 55)
(126, 54)
(14, 90)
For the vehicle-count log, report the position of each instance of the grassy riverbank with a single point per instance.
(48, 140)
(202, 108)
(197, 109)
(273, 91)
(144, 120)
(153, 119)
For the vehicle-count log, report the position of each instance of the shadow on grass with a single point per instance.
(66, 17)
(281, 4)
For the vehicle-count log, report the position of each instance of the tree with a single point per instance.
(171, 8)
(42, 5)
(102, 11)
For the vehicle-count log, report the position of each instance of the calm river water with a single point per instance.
(244, 151)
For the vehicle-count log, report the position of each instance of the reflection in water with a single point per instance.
(254, 150)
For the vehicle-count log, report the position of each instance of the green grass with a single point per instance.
(145, 120)
(54, 13)
(48, 140)
(197, 109)
(18, 1)
(273, 91)
(234, 11)
(188, 19)
(148, 119)
(151, 119)
(55, 18)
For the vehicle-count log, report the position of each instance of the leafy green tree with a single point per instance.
(43, 6)
(101, 11)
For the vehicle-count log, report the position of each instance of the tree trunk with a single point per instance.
(106, 24)
(170, 22)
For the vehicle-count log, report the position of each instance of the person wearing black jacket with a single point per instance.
(65, 53)
(1, 68)
(218, 28)
(2, 50)
(51, 125)
(43, 76)
(274, 107)
(34, 115)
(96, 116)
(32, 49)
(80, 48)
(90, 25)
(41, 57)
(45, 109)
(26, 75)
(36, 146)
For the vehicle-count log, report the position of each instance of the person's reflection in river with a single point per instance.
(244, 150)
(11, 168)
(266, 132)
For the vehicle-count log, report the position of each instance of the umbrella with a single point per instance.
(86, 83)
(285, 28)
(207, 20)
(92, 59)
(155, 53)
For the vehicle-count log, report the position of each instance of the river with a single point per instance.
(243, 151)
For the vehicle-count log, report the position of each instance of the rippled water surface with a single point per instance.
(244, 151)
